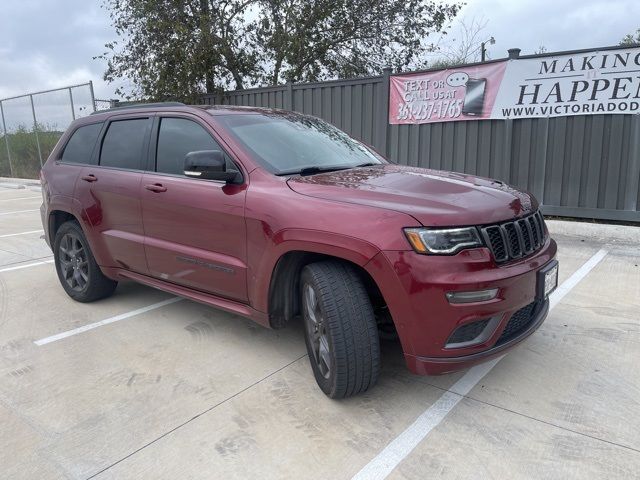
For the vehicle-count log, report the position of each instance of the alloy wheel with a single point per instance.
(73, 262)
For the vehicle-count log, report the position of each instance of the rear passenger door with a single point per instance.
(195, 229)
(110, 193)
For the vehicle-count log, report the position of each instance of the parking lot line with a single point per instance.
(391, 456)
(28, 265)
(21, 233)
(117, 318)
(574, 279)
(20, 211)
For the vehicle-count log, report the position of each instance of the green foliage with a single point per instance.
(170, 49)
(25, 161)
(631, 39)
(310, 41)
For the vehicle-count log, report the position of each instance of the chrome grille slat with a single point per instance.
(515, 239)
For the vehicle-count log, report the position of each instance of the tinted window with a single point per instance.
(289, 142)
(123, 145)
(176, 138)
(80, 145)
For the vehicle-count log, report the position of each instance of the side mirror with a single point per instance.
(208, 165)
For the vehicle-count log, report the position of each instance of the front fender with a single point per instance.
(349, 248)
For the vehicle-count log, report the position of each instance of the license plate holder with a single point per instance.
(547, 279)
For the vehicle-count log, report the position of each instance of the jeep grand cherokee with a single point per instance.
(274, 216)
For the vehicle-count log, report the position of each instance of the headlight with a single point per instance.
(442, 241)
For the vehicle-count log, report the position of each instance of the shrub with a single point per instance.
(23, 146)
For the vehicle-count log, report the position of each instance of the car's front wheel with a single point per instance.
(77, 269)
(340, 329)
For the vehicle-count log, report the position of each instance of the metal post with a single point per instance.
(288, 99)
(35, 128)
(541, 159)
(73, 111)
(93, 98)
(633, 167)
(507, 147)
(383, 113)
(6, 140)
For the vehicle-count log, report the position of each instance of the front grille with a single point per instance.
(515, 239)
(518, 322)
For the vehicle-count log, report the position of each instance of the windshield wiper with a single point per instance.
(366, 164)
(313, 170)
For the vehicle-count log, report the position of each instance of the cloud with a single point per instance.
(47, 44)
(556, 25)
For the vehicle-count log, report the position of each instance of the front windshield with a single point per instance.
(289, 143)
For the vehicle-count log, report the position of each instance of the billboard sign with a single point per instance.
(594, 82)
(465, 93)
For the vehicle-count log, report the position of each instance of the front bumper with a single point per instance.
(442, 365)
(414, 287)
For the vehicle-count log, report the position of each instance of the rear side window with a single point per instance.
(176, 138)
(123, 144)
(80, 146)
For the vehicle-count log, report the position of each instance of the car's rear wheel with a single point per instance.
(79, 274)
(340, 329)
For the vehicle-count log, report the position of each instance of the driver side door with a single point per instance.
(195, 232)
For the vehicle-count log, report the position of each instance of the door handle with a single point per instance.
(156, 187)
(90, 178)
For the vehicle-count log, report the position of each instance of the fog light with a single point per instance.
(473, 333)
(470, 297)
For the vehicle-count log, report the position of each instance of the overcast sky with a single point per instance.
(50, 43)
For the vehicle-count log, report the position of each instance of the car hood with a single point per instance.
(433, 197)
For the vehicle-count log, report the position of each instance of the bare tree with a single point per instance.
(465, 46)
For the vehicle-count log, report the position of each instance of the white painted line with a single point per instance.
(396, 451)
(20, 198)
(28, 265)
(574, 279)
(117, 318)
(21, 233)
(20, 211)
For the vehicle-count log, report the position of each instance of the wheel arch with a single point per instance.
(55, 221)
(284, 286)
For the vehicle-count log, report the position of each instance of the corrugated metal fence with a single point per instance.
(579, 166)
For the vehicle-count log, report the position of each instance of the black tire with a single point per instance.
(79, 274)
(343, 345)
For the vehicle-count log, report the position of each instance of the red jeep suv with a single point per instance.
(275, 215)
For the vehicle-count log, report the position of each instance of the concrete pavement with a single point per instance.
(186, 391)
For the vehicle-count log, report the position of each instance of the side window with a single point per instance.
(176, 138)
(123, 144)
(80, 146)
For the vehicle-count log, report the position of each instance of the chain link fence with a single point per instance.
(32, 124)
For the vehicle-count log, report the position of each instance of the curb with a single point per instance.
(20, 183)
(11, 185)
(605, 233)
(24, 182)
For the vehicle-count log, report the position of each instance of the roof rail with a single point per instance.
(140, 105)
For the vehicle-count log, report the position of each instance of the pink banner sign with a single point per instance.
(465, 93)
